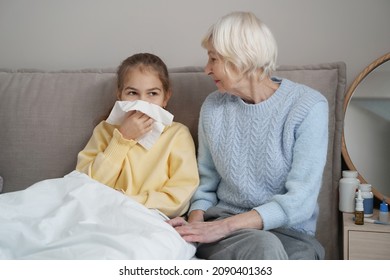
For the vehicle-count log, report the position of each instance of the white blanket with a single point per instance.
(76, 217)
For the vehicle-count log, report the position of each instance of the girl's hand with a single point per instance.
(195, 216)
(177, 222)
(204, 232)
(136, 125)
(199, 231)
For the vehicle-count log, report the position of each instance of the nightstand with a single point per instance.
(365, 242)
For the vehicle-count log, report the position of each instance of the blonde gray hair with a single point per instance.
(244, 42)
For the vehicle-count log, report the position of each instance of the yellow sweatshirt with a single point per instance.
(164, 177)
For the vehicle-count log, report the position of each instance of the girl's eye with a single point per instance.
(153, 93)
(131, 93)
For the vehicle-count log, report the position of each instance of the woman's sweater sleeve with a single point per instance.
(102, 157)
(205, 196)
(305, 177)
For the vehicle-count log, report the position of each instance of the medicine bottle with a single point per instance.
(384, 212)
(359, 209)
(368, 199)
(348, 185)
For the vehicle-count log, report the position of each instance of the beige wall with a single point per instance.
(73, 34)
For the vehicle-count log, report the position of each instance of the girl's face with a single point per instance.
(143, 85)
(215, 68)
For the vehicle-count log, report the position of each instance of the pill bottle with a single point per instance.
(348, 185)
(368, 199)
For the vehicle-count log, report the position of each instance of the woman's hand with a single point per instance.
(135, 125)
(196, 216)
(206, 232)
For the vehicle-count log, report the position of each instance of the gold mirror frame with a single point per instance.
(348, 96)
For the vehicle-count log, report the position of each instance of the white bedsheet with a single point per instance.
(76, 217)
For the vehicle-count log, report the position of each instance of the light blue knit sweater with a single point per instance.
(268, 156)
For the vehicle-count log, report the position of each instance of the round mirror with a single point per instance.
(366, 135)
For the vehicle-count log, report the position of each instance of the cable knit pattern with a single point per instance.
(267, 156)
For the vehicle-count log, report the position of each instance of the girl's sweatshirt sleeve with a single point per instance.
(174, 196)
(102, 157)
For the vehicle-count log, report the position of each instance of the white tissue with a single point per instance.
(162, 118)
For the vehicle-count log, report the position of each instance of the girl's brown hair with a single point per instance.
(144, 61)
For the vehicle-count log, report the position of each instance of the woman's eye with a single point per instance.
(212, 59)
(152, 93)
(131, 93)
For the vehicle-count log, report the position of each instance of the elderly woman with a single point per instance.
(262, 151)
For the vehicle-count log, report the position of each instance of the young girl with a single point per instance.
(164, 177)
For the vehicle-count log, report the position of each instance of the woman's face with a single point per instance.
(215, 68)
(143, 85)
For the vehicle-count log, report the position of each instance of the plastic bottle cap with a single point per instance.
(384, 207)
(365, 187)
(350, 174)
